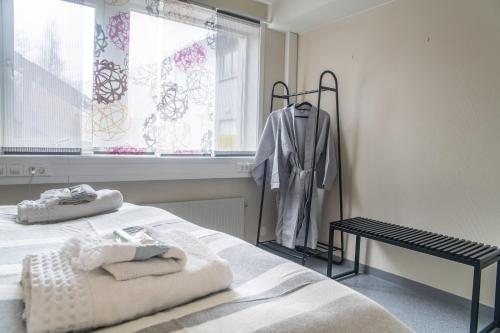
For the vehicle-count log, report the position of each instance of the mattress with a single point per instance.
(268, 294)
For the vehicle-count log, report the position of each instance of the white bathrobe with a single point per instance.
(290, 140)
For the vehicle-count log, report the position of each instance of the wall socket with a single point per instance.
(244, 166)
(37, 170)
(14, 170)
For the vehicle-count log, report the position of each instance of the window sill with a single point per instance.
(78, 169)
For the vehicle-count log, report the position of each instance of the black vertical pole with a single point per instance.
(261, 201)
(311, 187)
(356, 254)
(341, 199)
(339, 158)
(331, 233)
(339, 155)
(497, 297)
(273, 95)
(474, 311)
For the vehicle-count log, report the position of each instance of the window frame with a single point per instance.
(6, 50)
(233, 159)
(69, 169)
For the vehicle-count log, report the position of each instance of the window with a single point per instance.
(128, 77)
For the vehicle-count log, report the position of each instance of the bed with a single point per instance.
(268, 294)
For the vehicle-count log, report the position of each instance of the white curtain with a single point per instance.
(47, 75)
(132, 77)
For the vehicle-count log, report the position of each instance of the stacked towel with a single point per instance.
(73, 195)
(61, 298)
(125, 260)
(49, 210)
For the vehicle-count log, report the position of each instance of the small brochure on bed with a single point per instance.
(135, 234)
(145, 245)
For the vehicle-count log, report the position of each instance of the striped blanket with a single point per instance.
(269, 293)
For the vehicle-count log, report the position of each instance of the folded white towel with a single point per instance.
(60, 298)
(33, 212)
(126, 260)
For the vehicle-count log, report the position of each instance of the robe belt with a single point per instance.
(302, 174)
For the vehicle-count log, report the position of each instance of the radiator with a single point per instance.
(226, 215)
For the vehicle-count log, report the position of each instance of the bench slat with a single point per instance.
(483, 252)
(467, 249)
(439, 243)
(457, 246)
(452, 242)
(438, 239)
(448, 247)
(428, 239)
(489, 256)
(472, 252)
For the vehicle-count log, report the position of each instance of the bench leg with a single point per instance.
(349, 273)
(331, 233)
(356, 255)
(476, 288)
(496, 317)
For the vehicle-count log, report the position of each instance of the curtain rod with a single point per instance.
(237, 16)
(221, 11)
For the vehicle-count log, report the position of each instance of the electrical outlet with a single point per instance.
(37, 170)
(30, 171)
(244, 166)
(43, 170)
(14, 170)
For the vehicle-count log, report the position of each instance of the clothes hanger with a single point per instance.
(309, 105)
(299, 107)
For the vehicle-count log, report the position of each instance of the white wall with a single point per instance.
(274, 49)
(420, 103)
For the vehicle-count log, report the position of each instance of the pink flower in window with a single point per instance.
(118, 30)
(190, 56)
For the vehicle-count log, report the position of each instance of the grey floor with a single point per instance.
(424, 311)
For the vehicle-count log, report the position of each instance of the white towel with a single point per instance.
(60, 298)
(33, 212)
(126, 260)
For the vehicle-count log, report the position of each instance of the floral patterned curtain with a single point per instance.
(154, 78)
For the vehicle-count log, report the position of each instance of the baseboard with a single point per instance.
(420, 287)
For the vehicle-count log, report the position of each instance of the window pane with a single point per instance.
(237, 98)
(171, 86)
(49, 81)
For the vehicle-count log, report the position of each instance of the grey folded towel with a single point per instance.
(73, 195)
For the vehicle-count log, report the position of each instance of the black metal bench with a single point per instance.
(466, 252)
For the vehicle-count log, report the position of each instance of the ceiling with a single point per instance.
(304, 15)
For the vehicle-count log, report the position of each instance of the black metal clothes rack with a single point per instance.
(301, 253)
